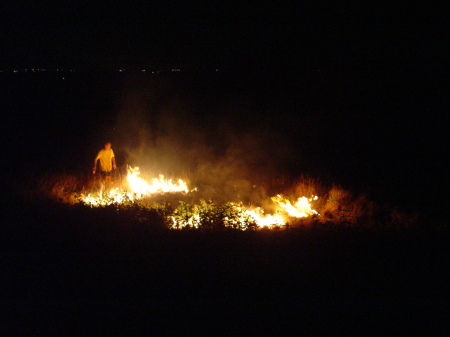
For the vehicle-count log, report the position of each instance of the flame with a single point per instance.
(114, 196)
(265, 220)
(301, 208)
(158, 185)
(256, 215)
(138, 188)
(244, 216)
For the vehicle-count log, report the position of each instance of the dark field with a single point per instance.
(71, 269)
(66, 270)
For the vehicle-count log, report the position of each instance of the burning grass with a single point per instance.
(178, 204)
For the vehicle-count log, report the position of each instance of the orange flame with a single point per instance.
(139, 188)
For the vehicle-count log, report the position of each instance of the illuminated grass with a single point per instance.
(335, 206)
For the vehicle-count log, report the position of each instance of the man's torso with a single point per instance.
(105, 157)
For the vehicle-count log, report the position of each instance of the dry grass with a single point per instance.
(335, 205)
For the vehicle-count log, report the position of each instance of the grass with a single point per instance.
(336, 205)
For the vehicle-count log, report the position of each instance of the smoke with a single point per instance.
(201, 131)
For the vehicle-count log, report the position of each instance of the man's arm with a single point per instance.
(113, 159)
(95, 163)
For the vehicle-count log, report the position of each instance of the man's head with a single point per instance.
(107, 146)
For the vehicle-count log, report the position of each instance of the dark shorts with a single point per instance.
(105, 174)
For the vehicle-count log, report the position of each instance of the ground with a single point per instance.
(64, 270)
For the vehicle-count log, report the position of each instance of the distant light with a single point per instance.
(143, 70)
(16, 71)
(63, 78)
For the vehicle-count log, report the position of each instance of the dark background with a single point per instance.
(349, 95)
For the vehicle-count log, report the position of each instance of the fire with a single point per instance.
(137, 188)
(265, 220)
(114, 196)
(240, 215)
(301, 208)
(158, 185)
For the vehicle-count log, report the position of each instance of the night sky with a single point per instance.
(281, 35)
